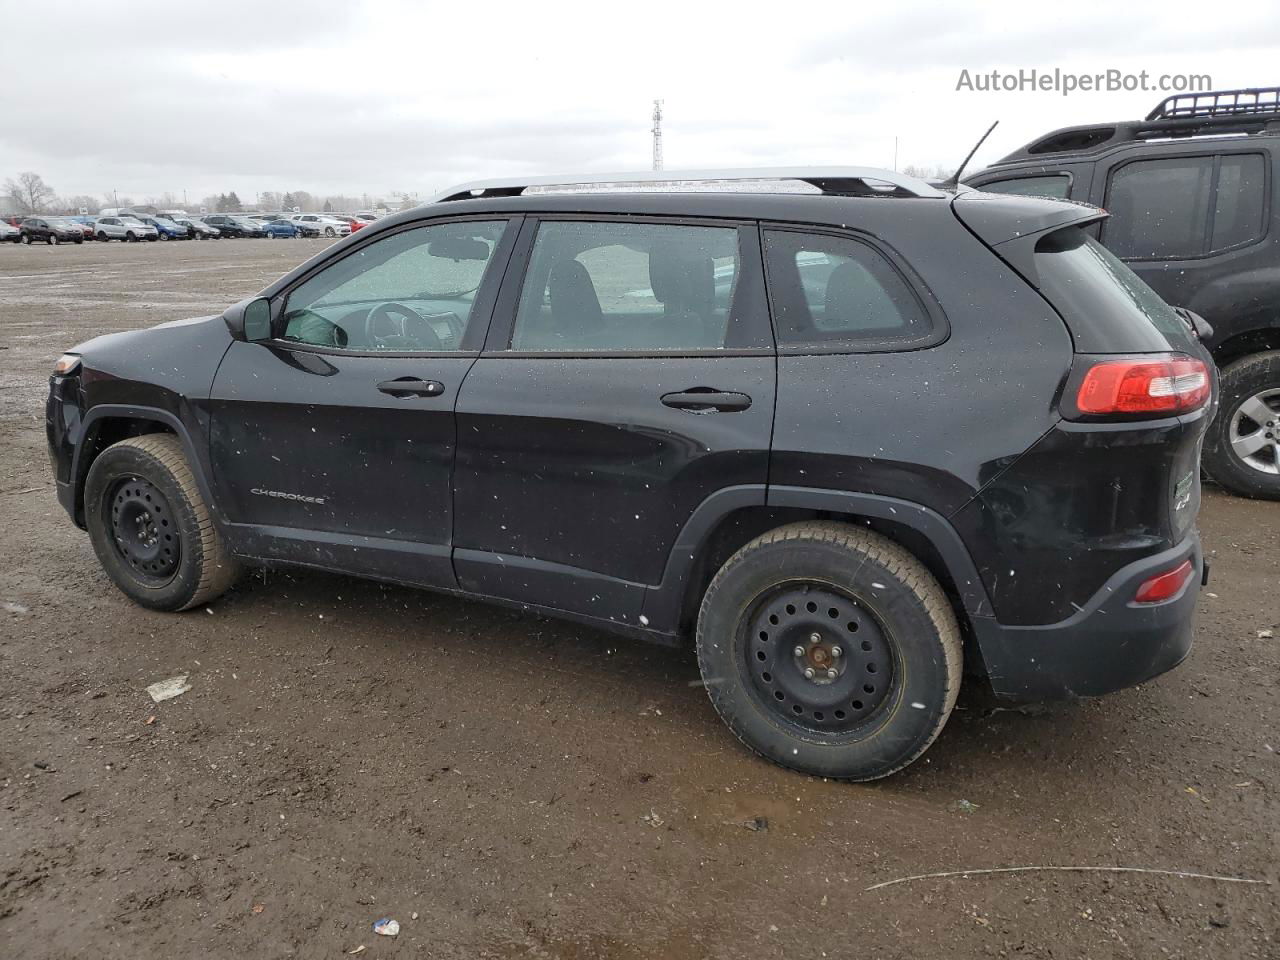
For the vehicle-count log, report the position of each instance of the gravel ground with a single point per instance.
(507, 786)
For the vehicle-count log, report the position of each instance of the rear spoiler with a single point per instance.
(1013, 225)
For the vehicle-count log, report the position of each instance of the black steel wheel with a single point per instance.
(150, 526)
(144, 530)
(816, 652)
(830, 649)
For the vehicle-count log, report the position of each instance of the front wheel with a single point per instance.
(52, 239)
(26, 238)
(130, 237)
(1242, 450)
(830, 649)
(151, 528)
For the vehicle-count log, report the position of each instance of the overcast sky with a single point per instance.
(354, 97)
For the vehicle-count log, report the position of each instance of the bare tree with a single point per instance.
(74, 204)
(29, 192)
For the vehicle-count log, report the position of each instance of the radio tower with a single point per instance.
(657, 134)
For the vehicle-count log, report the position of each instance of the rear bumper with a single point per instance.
(1108, 644)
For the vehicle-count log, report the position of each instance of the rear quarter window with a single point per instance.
(1107, 307)
(834, 293)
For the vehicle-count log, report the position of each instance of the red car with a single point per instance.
(356, 222)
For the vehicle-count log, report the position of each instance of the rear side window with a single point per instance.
(1237, 215)
(1182, 207)
(831, 292)
(1106, 305)
(613, 286)
(1055, 186)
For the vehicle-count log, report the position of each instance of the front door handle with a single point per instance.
(403, 387)
(707, 400)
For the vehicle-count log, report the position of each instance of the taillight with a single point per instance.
(1159, 384)
(1166, 585)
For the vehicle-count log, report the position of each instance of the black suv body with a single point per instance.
(1194, 196)
(839, 440)
(235, 226)
(50, 230)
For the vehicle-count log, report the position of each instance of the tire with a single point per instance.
(26, 238)
(79, 239)
(149, 477)
(891, 689)
(328, 232)
(1249, 384)
(164, 236)
(51, 239)
(102, 235)
(130, 237)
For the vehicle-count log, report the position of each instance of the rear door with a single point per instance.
(628, 376)
(333, 443)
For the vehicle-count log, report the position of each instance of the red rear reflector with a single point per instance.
(1148, 385)
(1166, 585)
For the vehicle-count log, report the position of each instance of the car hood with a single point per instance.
(149, 335)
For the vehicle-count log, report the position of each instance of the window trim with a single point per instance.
(1056, 174)
(482, 309)
(940, 330)
(1206, 240)
(501, 331)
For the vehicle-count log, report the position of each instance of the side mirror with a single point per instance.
(257, 320)
(250, 319)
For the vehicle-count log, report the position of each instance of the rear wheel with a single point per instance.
(151, 528)
(831, 650)
(1242, 450)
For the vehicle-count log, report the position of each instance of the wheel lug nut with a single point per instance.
(831, 674)
(798, 651)
(836, 651)
(808, 672)
(815, 638)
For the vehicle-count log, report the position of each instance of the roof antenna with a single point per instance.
(953, 181)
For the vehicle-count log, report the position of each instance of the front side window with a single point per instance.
(830, 291)
(1055, 186)
(627, 287)
(411, 291)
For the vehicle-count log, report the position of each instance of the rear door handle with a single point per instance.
(403, 387)
(707, 400)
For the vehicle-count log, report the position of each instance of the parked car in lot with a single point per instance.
(320, 225)
(797, 472)
(9, 233)
(1194, 196)
(280, 227)
(125, 227)
(355, 223)
(50, 230)
(85, 224)
(199, 229)
(234, 225)
(167, 229)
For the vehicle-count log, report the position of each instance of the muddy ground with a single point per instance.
(507, 786)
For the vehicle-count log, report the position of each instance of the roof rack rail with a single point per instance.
(835, 181)
(1248, 101)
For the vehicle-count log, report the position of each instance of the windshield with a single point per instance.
(1106, 305)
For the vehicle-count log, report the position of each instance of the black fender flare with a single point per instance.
(662, 603)
(80, 469)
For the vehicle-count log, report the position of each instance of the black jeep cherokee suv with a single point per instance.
(1194, 196)
(839, 427)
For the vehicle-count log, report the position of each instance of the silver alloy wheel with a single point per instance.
(1254, 431)
(53, 238)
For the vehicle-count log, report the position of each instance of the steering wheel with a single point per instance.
(423, 335)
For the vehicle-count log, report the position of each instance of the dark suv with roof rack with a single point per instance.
(1194, 196)
(839, 429)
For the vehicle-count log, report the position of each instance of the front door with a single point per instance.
(332, 444)
(629, 376)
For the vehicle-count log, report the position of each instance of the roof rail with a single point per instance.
(837, 181)
(1249, 101)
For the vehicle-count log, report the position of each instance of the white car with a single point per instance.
(9, 233)
(319, 225)
(124, 228)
